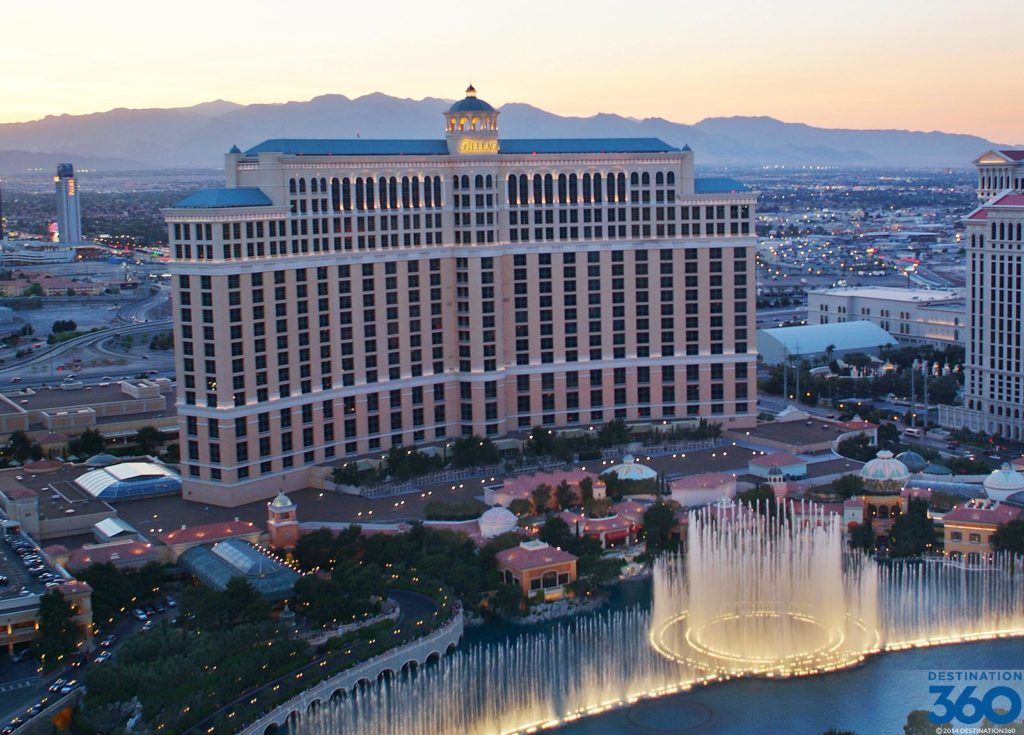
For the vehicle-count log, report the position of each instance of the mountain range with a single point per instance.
(198, 136)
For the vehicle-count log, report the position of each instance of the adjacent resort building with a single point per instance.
(994, 365)
(341, 297)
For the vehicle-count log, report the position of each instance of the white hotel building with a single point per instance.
(994, 375)
(341, 297)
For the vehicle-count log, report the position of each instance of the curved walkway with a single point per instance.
(390, 663)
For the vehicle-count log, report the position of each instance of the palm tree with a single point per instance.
(828, 353)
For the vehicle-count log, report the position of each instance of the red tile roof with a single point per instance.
(209, 533)
(1014, 155)
(1009, 200)
(995, 515)
(43, 465)
(525, 558)
(17, 492)
(123, 552)
(980, 213)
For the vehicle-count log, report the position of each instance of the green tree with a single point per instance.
(587, 490)
(659, 521)
(761, 497)
(556, 532)
(521, 507)
(58, 635)
(148, 438)
(613, 433)
(541, 441)
(918, 723)
(862, 536)
(912, 532)
(22, 448)
(33, 290)
(541, 497)
(64, 325)
(472, 451)
(848, 485)
(90, 442)
(564, 495)
(1009, 537)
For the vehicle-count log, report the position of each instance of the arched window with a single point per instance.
(369, 193)
(611, 188)
(538, 190)
(490, 181)
(291, 186)
(645, 179)
(513, 190)
(524, 189)
(563, 189)
(437, 192)
(597, 188)
(302, 186)
(586, 189)
(993, 230)
(550, 579)
(335, 195)
(360, 194)
(549, 189)
(313, 186)
(406, 194)
(670, 178)
(622, 187)
(659, 179)
(393, 192)
(465, 181)
(346, 194)
(382, 192)
(478, 181)
(574, 194)
(416, 192)
(428, 199)
(634, 179)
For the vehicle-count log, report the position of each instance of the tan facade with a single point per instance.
(385, 300)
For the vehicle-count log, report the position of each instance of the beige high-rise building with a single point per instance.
(341, 297)
(994, 366)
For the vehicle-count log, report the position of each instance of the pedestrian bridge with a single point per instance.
(388, 664)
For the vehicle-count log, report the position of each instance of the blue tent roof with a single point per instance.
(718, 185)
(215, 566)
(216, 198)
(369, 147)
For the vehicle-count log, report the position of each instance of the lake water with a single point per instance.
(873, 699)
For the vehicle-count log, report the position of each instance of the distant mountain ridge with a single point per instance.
(198, 136)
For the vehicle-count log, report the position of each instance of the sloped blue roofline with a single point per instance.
(215, 198)
(718, 185)
(520, 146)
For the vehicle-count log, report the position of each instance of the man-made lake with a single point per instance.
(873, 699)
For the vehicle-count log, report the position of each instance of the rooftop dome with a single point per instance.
(937, 469)
(885, 473)
(102, 460)
(471, 103)
(914, 461)
(1003, 483)
(497, 521)
(630, 469)
(281, 501)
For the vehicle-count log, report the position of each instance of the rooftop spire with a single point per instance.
(471, 91)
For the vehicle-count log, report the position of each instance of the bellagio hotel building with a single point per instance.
(341, 297)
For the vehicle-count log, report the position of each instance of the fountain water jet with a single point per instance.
(758, 594)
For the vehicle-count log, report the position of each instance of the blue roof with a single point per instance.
(215, 566)
(369, 147)
(214, 198)
(471, 104)
(717, 185)
(351, 147)
(585, 145)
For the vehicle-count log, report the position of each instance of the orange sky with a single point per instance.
(935, 65)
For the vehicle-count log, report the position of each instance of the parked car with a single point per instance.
(108, 641)
(56, 685)
(139, 615)
(69, 686)
(147, 626)
(103, 657)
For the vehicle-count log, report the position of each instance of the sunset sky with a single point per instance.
(924, 65)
